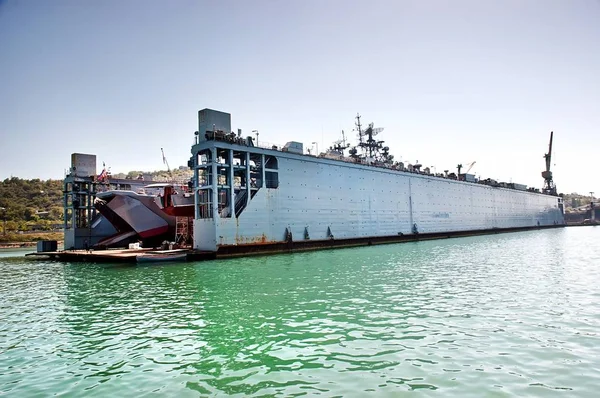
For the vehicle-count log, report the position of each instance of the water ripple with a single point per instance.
(511, 314)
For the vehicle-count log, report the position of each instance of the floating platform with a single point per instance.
(134, 255)
(121, 255)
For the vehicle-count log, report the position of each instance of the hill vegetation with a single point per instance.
(181, 175)
(37, 205)
(574, 201)
(31, 204)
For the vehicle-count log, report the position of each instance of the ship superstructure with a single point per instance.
(249, 198)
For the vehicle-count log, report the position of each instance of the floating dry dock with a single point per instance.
(250, 199)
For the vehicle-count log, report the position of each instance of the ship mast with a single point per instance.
(371, 149)
(549, 186)
(359, 128)
(340, 145)
(369, 145)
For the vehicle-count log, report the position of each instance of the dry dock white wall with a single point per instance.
(354, 201)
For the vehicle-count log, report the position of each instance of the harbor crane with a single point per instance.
(166, 162)
(469, 167)
(549, 186)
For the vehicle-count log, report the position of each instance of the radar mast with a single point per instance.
(372, 149)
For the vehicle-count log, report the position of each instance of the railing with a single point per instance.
(268, 145)
(240, 202)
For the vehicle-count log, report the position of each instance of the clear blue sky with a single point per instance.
(451, 81)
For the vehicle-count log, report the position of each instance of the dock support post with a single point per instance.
(230, 184)
(247, 178)
(263, 183)
(214, 184)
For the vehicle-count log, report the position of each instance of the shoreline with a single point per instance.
(16, 245)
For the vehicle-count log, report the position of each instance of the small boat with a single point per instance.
(159, 256)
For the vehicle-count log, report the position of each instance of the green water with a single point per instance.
(503, 315)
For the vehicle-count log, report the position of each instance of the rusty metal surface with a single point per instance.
(288, 247)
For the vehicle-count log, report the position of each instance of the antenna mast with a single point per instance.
(340, 145)
(359, 127)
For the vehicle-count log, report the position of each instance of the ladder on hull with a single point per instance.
(184, 231)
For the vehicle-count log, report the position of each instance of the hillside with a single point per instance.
(181, 174)
(29, 202)
(575, 200)
(38, 205)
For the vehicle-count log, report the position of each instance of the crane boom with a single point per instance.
(548, 156)
(165, 161)
(549, 186)
(470, 166)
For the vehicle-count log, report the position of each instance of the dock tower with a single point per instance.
(78, 203)
(228, 172)
(83, 224)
